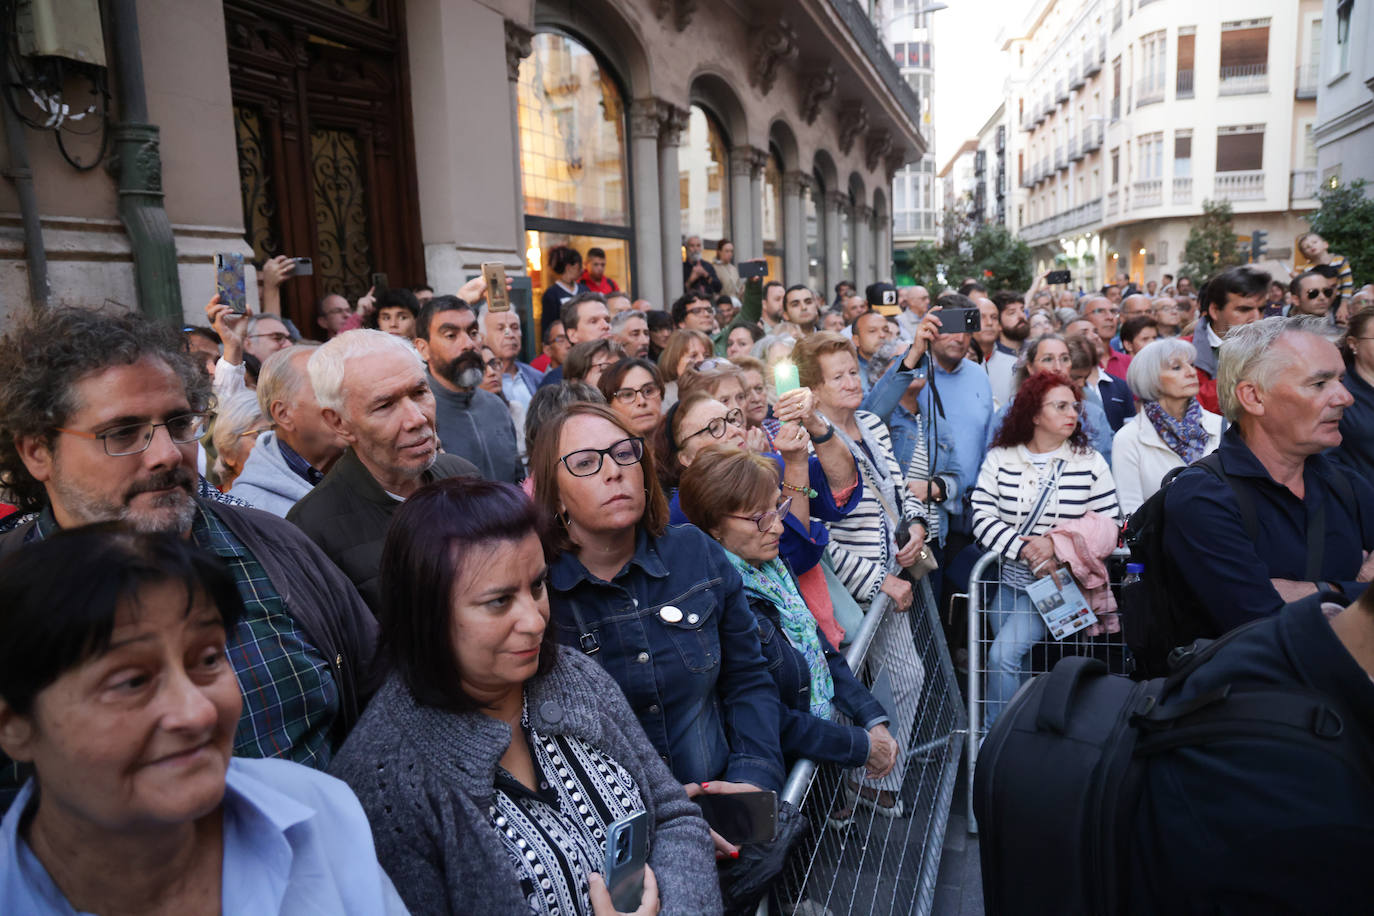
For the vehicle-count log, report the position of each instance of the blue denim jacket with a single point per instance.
(695, 676)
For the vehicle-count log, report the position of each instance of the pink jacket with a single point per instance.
(1084, 543)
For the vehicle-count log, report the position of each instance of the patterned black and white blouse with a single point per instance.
(556, 836)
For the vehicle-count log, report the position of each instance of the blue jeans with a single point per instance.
(1017, 626)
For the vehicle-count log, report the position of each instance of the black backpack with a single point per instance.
(1059, 776)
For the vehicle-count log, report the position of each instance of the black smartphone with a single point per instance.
(1056, 277)
(304, 267)
(960, 321)
(229, 281)
(379, 285)
(753, 270)
(627, 852)
(741, 817)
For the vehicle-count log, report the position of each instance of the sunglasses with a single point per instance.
(1328, 292)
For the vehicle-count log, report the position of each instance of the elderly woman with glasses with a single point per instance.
(1170, 429)
(492, 761)
(733, 496)
(1040, 471)
(658, 606)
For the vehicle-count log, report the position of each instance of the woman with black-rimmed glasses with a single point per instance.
(634, 389)
(658, 606)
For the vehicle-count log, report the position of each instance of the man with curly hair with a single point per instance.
(100, 412)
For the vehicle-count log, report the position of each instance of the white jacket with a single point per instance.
(1140, 459)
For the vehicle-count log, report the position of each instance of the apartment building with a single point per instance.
(1342, 70)
(1133, 112)
(960, 185)
(908, 26)
(992, 172)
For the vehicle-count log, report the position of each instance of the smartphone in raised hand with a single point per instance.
(229, 283)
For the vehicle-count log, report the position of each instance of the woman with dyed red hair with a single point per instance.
(1040, 471)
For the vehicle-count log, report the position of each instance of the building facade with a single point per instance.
(915, 187)
(1341, 70)
(961, 191)
(1134, 112)
(421, 138)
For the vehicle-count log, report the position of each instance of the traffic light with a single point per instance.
(1258, 248)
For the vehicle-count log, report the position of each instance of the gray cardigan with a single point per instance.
(426, 779)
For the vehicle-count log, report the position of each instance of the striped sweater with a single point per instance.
(1009, 482)
(861, 544)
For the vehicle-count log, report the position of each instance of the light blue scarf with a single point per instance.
(774, 583)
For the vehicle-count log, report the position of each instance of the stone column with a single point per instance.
(644, 131)
(519, 45)
(757, 163)
(793, 227)
(863, 246)
(741, 199)
(835, 205)
(883, 234)
(672, 121)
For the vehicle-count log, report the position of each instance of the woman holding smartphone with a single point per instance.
(492, 763)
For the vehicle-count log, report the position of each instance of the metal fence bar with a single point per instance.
(855, 860)
(982, 589)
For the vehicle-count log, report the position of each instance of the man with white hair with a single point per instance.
(501, 332)
(1288, 523)
(913, 302)
(375, 394)
(300, 448)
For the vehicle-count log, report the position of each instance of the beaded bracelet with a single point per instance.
(809, 491)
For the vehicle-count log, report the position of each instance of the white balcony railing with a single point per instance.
(1247, 185)
(1149, 193)
(1183, 191)
(1147, 92)
(1305, 84)
(1304, 184)
(1244, 79)
(1111, 203)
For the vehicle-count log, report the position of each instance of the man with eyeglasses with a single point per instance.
(100, 411)
(694, 312)
(1315, 294)
(1232, 298)
(376, 396)
(472, 423)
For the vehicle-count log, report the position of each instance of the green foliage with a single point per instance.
(998, 259)
(1211, 244)
(1345, 219)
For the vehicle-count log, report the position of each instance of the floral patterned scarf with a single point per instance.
(1185, 437)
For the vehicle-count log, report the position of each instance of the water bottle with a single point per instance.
(1133, 571)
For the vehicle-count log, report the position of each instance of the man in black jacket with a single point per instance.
(376, 396)
(100, 412)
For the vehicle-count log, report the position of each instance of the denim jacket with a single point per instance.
(675, 632)
(803, 734)
(903, 426)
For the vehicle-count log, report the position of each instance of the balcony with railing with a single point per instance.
(1148, 193)
(1092, 138)
(1076, 80)
(1074, 153)
(1116, 109)
(1247, 185)
(1061, 92)
(1060, 162)
(1303, 185)
(1111, 204)
(1305, 86)
(1183, 84)
(1148, 92)
(1183, 191)
(1244, 80)
(1086, 214)
(879, 54)
(1116, 16)
(1091, 65)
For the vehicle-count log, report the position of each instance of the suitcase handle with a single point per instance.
(1059, 689)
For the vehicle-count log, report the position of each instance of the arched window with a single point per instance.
(704, 179)
(772, 214)
(573, 159)
(812, 195)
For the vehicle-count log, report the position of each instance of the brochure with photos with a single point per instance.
(1061, 603)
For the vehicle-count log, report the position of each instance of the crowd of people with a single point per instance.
(505, 604)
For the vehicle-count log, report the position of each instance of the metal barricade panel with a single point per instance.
(1008, 645)
(870, 862)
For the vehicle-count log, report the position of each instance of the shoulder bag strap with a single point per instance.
(1048, 485)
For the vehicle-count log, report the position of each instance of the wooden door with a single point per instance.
(326, 151)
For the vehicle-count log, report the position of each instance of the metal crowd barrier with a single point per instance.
(1110, 647)
(874, 863)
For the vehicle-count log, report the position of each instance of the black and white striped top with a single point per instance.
(861, 544)
(1009, 482)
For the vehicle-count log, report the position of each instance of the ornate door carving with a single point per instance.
(326, 153)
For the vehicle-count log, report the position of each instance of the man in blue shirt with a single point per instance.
(1280, 387)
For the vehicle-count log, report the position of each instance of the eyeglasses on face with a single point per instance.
(1327, 292)
(717, 426)
(765, 520)
(493, 364)
(700, 310)
(712, 363)
(1073, 407)
(647, 392)
(587, 461)
(136, 437)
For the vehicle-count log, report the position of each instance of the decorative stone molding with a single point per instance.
(879, 144)
(894, 162)
(793, 183)
(645, 119)
(853, 122)
(742, 161)
(758, 161)
(817, 87)
(672, 121)
(774, 45)
(518, 47)
(686, 9)
(863, 214)
(837, 202)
